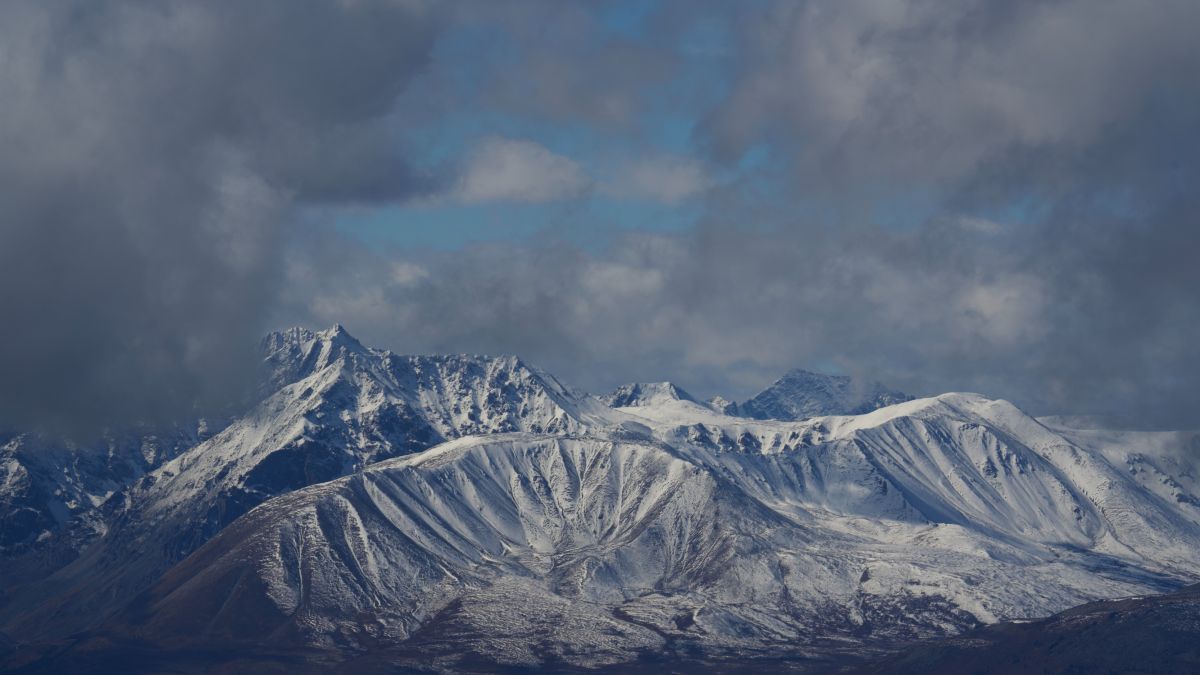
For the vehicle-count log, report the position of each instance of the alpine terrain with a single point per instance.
(374, 511)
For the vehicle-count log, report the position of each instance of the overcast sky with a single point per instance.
(996, 196)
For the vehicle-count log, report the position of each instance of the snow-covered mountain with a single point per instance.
(444, 511)
(44, 484)
(801, 394)
(52, 493)
(640, 394)
(339, 407)
(655, 535)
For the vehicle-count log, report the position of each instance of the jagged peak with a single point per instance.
(464, 361)
(297, 352)
(287, 337)
(645, 393)
(336, 340)
(299, 336)
(336, 332)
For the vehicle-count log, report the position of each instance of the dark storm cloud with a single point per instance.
(1052, 262)
(149, 152)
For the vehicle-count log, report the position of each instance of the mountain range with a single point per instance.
(374, 511)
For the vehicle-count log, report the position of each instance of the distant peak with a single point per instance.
(801, 394)
(812, 375)
(722, 405)
(645, 393)
(804, 372)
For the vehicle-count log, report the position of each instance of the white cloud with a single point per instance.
(512, 170)
(1005, 312)
(665, 179)
(500, 169)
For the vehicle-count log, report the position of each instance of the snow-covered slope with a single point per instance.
(676, 530)
(496, 535)
(518, 519)
(965, 460)
(801, 394)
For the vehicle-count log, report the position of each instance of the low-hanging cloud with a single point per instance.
(725, 311)
(150, 153)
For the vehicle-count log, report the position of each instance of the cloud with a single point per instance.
(150, 154)
(914, 91)
(664, 179)
(558, 62)
(499, 169)
(513, 170)
(726, 310)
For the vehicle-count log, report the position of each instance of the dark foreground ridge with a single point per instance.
(1156, 634)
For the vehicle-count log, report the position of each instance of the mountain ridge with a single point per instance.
(349, 407)
(373, 500)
